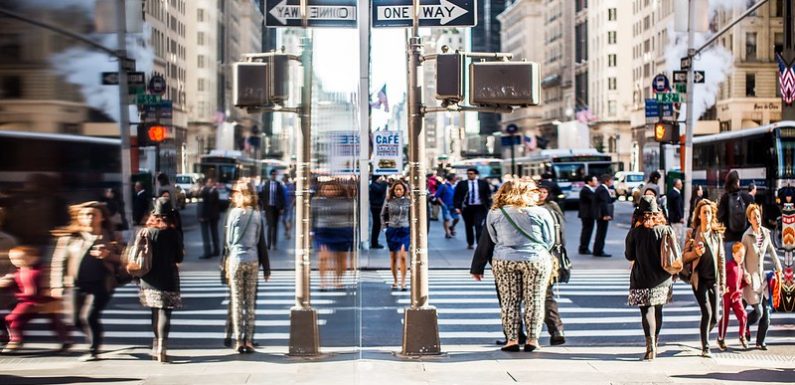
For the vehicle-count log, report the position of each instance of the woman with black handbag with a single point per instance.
(560, 271)
(523, 234)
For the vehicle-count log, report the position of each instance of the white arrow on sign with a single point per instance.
(698, 77)
(283, 12)
(444, 12)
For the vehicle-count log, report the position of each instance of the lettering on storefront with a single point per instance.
(767, 106)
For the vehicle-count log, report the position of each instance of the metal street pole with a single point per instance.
(304, 335)
(513, 155)
(364, 126)
(420, 322)
(124, 118)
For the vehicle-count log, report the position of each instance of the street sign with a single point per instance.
(157, 84)
(698, 77)
(511, 129)
(660, 83)
(680, 88)
(147, 99)
(680, 77)
(508, 140)
(433, 13)
(670, 97)
(653, 109)
(320, 13)
(685, 63)
(134, 79)
(128, 65)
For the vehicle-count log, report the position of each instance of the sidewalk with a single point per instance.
(676, 364)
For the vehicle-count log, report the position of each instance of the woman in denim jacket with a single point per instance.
(523, 235)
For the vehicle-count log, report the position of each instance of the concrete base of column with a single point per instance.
(421, 332)
(304, 335)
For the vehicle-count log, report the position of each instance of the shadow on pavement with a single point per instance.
(753, 375)
(21, 380)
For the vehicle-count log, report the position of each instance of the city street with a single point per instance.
(361, 329)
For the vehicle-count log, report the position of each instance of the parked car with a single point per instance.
(189, 183)
(626, 181)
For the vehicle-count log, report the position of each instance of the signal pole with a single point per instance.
(124, 112)
(304, 335)
(420, 322)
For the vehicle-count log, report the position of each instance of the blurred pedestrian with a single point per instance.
(32, 298)
(731, 211)
(395, 216)
(650, 286)
(698, 195)
(7, 242)
(587, 213)
(758, 243)
(705, 255)
(377, 191)
(603, 203)
(288, 215)
(272, 200)
(736, 279)
(164, 185)
(444, 197)
(85, 259)
(523, 236)
(662, 201)
(654, 183)
(159, 288)
(115, 205)
(752, 189)
(551, 314)
(209, 212)
(432, 183)
(141, 203)
(333, 218)
(472, 199)
(247, 251)
(676, 209)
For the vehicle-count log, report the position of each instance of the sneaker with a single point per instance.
(706, 353)
(761, 346)
(722, 344)
(90, 356)
(65, 347)
(12, 347)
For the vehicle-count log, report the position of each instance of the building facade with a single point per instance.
(557, 70)
(485, 37)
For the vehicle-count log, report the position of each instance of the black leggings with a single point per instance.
(161, 322)
(760, 313)
(706, 296)
(652, 319)
(88, 302)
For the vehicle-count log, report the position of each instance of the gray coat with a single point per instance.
(754, 263)
(395, 212)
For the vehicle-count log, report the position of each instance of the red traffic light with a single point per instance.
(156, 134)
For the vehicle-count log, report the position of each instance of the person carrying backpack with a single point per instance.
(731, 211)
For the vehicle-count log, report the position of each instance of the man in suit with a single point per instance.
(586, 213)
(272, 201)
(676, 210)
(209, 212)
(604, 214)
(378, 187)
(472, 199)
(141, 203)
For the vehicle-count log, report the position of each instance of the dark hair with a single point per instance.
(655, 176)
(732, 182)
(590, 177)
(605, 177)
(401, 183)
(751, 186)
(162, 178)
(472, 169)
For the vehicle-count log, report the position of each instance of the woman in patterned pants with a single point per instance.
(522, 233)
(244, 239)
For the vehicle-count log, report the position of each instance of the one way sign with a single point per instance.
(319, 13)
(433, 13)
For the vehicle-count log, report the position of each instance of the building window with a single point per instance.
(778, 42)
(750, 84)
(201, 85)
(200, 16)
(200, 61)
(612, 15)
(611, 108)
(200, 38)
(750, 46)
(611, 60)
(779, 12)
(611, 37)
(611, 84)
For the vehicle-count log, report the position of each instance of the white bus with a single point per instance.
(567, 168)
(489, 168)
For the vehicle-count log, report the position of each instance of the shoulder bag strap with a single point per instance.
(515, 226)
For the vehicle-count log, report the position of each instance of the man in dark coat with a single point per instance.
(141, 203)
(586, 213)
(209, 212)
(378, 187)
(604, 214)
(472, 199)
(676, 210)
(272, 201)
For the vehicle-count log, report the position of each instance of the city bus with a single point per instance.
(225, 167)
(567, 168)
(489, 168)
(41, 174)
(267, 165)
(763, 155)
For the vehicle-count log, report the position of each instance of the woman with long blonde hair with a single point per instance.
(706, 258)
(523, 234)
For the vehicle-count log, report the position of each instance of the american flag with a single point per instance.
(382, 100)
(786, 78)
(584, 115)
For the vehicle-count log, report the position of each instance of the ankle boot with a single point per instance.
(161, 350)
(651, 351)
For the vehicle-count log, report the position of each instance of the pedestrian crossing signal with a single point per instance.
(666, 132)
(151, 134)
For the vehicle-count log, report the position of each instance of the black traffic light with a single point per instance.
(151, 134)
(503, 83)
(666, 132)
(250, 84)
(449, 77)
